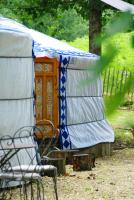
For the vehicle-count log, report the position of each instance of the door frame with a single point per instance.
(55, 75)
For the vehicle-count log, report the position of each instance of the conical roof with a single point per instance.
(44, 45)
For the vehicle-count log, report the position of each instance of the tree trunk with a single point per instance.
(95, 13)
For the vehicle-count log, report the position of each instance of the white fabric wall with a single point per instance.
(16, 88)
(76, 77)
(85, 135)
(16, 78)
(86, 121)
(15, 44)
(16, 81)
(15, 114)
(84, 109)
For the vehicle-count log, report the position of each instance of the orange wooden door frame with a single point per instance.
(50, 75)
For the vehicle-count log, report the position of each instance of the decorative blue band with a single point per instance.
(64, 135)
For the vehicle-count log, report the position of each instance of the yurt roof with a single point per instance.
(44, 45)
(120, 5)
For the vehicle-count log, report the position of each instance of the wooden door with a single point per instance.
(46, 90)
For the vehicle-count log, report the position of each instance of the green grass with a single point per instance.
(81, 43)
(125, 57)
(122, 42)
(124, 137)
(122, 119)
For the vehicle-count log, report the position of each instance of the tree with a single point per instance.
(61, 24)
(91, 10)
(95, 14)
(71, 25)
(31, 10)
(37, 11)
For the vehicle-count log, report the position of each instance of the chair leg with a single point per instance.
(38, 190)
(20, 191)
(55, 186)
(42, 192)
(25, 191)
(32, 191)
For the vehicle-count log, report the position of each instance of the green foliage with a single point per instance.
(119, 24)
(120, 120)
(124, 137)
(5, 11)
(113, 102)
(71, 25)
(129, 122)
(107, 15)
(80, 43)
(57, 18)
(46, 23)
(123, 43)
(65, 25)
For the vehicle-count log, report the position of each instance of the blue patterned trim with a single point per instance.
(40, 48)
(65, 141)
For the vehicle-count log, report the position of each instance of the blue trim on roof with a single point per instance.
(11, 30)
(39, 48)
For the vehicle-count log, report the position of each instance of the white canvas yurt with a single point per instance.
(58, 71)
(16, 81)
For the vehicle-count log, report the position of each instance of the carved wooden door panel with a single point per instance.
(46, 90)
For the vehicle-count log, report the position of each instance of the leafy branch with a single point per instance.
(119, 24)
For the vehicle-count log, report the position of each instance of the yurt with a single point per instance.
(53, 71)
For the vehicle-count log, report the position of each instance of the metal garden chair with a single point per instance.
(26, 135)
(9, 178)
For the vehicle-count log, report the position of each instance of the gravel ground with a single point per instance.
(111, 179)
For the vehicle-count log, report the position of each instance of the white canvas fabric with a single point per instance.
(86, 135)
(84, 109)
(15, 114)
(16, 78)
(14, 43)
(86, 121)
(38, 37)
(120, 5)
(77, 78)
(16, 81)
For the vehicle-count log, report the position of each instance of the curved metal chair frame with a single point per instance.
(8, 177)
(46, 141)
(30, 172)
